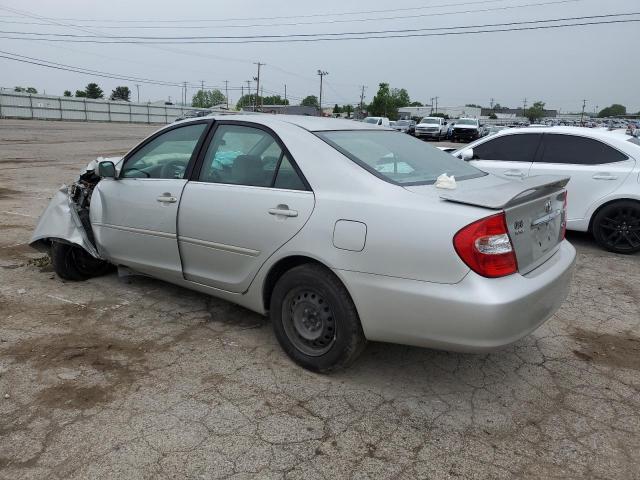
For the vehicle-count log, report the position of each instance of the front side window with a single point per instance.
(398, 158)
(578, 150)
(241, 155)
(514, 148)
(166, 156)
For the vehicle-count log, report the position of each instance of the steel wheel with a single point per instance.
(308, 321)
(617, 227)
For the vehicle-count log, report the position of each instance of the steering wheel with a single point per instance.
(173, 169)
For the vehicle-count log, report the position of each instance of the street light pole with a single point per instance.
(321, 73)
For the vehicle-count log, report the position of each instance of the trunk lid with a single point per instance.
(534, 210)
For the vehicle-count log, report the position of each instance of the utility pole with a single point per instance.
(362, 100)
(584, 104)
(138, 89)
(321, 73)
(431, 105)
(226, 92)
(285, 97)
(261, 97)
(202, 85)
(436, 99)
(184, 101)
(524, 108)
(257, 79)
(249, 90)
(491, 103)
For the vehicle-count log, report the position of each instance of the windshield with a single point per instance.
(467, 122)
(430, 120)
(402, 123)
(370, 120)
(398, 158)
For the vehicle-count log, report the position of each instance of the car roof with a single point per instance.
(312, 124)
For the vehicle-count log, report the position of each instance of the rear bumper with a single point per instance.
(476, 314)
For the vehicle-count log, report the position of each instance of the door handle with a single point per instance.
(167, 198)
(604, 176)
(283, 211)
(514, 173)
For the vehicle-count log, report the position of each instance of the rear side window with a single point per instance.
(514, 148)
(578, 150)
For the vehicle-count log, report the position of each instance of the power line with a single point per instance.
(355, 20)
(337, 36)
(316, 15)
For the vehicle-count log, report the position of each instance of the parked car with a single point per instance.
(432, 127)
(337, 230)
(379, 121)
(604, 191)
(466, 130)
(493, 130)
(193, 114)
(406, 126)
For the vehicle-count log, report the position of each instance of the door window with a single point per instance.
(578, 150)
(514, 148)
(166, 156)
(240, 155)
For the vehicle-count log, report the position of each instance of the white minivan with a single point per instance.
(380, 121)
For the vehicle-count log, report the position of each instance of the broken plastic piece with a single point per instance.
(446, 182)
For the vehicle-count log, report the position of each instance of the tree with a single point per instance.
(400, 97)
(67, 93)
(615, 110)
(310, 101)
(387, 101)
(535, 112)
(473, 105)
(337, 110)
(81, 94)
(247, 101)
(92, 90)
(274, 100)
(497, 106)
(208, 98)
(493, 116)
(30, 90)
(416, 104)
(121, 93)
(348, 109)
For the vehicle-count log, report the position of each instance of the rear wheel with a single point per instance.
(73, 263)
(314, 319)
(616, 227)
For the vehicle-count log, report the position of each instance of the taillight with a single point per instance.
(563, 227)
(486, 248)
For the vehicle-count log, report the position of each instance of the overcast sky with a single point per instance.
(558, 66)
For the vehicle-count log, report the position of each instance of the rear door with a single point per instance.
(596, 169)
(134, 217)
(508, 156)
(247, 199)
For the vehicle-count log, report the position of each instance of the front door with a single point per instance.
(134, 216)
(246, 201)
(509, 156)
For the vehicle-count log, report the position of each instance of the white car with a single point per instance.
(342, 231)
(379, 121)
(432, 127)
(604, 190)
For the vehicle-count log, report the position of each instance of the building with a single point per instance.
(285, 110)
(513, 113)
(450, 112)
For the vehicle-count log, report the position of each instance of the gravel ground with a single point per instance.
(141, 379)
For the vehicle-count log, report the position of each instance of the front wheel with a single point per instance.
(315, 320)
(73, 263)
(616, 227)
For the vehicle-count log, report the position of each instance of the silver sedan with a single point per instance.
(341, 232)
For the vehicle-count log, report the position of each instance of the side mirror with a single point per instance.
(467, 154)
(107, 170)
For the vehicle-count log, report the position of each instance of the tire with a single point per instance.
(616, 227)
(315, 320)
(72, 263)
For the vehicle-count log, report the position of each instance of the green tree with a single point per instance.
(92, 90)
(400, 97)
(310, 101)
(337, 110)
(382, 103)
(615, 110)
(493, 116)
(32, 90)
(348, 109)
(208, 98)
(535, 112)
(274, 100)
(25, 90)
(67, 93)
(247, 101)
(473, 105)
(497, 106)
(121, 93)
(81, 94)
(416, 104)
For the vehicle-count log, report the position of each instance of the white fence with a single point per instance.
(44, 107)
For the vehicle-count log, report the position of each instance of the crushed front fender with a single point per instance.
(60, 222)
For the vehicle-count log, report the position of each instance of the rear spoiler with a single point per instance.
(509, 193)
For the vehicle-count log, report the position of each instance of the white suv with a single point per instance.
(604, 190)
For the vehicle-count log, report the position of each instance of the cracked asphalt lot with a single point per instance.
(141, 379)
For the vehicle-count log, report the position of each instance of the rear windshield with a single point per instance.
(371, 120)
(430, 120)
(466, 122)
(398, 158)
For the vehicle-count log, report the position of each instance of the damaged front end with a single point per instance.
(66, 218)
